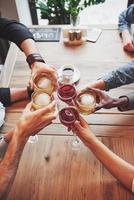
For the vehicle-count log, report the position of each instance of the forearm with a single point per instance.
(18, 94)
(99, 84)
(118, 77)
(12, 95)
(125, 19)
(9, 164)
(28, 46)
(4, 143)
(119, 168)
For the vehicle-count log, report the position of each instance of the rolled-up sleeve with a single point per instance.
(14, 31)
(126, 18)
(121, 76)
(130, 105)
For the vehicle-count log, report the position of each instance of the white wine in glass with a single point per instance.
(85, 102)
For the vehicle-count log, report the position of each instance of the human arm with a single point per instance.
(126, 18)
(29, 47)
(14, 31)
(115, 78)
(103, 100)
(118, 167)
(29, 124)
(22, 37)
(12, 95)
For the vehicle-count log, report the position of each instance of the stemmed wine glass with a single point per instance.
(68, 115)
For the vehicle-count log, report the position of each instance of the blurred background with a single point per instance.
(44, 12)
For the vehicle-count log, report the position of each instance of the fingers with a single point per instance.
(77, 126)
(129, 47)
(47, 109)
(31, 85)
(98, 107)
(40, 128)
(49, 117)
(83, 122)
(28, 107)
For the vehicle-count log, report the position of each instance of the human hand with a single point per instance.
(31, 122)
(104, 100)
(99, 84)
(128, 43)
(83, 131)
(38, 68)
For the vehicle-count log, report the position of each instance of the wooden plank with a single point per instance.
(91, 71)
(68, 174)
(93, 119)
(105, 126)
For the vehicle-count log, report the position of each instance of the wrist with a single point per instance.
(20, 132)
(122, 101)
(33, 58)
(91, 141)
(8, 136)
(37, 65)
(99, 84)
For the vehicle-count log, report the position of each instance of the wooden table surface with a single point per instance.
(69, 174)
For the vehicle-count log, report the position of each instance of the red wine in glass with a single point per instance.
(68, 116)
(67, 93)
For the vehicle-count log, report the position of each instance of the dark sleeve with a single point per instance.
(5, 97)
(130, 105)
(14, 31)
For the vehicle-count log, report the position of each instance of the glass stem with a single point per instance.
(76, 139)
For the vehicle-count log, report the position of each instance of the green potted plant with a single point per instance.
(61, 11)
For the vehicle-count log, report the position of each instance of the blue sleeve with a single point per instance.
(121, 76)
(126, 18)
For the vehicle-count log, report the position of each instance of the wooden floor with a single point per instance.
(50, 169)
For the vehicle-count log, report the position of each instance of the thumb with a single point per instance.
(28, 106)
(98, 107)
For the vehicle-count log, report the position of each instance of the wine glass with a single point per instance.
(68, 116)
(66, 74)
(40, 99)
(67, 93)
(43, 83)
(85, 102)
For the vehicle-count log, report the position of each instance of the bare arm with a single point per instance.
(18, 94)
(29, 47)
(119, 168)
(9, 165)
(30, 123)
